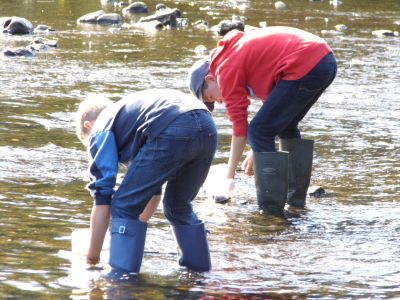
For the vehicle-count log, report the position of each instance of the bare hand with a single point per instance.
(92, 260)
(247, 165)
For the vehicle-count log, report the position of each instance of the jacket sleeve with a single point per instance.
(103, 166)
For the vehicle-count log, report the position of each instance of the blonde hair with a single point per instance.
(88, 110)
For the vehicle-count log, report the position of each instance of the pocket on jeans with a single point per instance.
(169, 151)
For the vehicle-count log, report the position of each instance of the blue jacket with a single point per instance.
(123, 128)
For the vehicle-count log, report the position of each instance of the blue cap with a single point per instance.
(196, 77)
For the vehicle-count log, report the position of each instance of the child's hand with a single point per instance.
(217, 186)
(92, 260)
(224, 191)
(247, 165)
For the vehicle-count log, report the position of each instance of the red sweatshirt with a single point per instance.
(258, 60)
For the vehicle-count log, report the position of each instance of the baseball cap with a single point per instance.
(196, 80)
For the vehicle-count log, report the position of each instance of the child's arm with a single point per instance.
(99, 221)
(150, 208)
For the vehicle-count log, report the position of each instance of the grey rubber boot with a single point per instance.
(300, 166)
(271, 179)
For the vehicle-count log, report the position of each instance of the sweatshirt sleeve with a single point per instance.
(232, 83)
(103, 166)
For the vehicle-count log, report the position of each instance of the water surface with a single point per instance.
(344, 245)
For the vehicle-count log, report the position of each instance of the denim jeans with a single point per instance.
(180, 156)
(287, 105)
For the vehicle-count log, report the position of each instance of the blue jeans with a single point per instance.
(287, 105)
(180, 155)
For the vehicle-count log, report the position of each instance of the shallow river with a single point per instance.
(344, 245)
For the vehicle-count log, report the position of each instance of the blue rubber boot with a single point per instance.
(192, 241)
(126, 247)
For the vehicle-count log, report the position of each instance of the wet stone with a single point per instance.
(221, 199)
(15, 25)
(22, 52)
(167, 18)
(136, 8)
(100, 17)
(227, 25)
(43, 28)
(316, 191)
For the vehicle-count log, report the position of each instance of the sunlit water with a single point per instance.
(344, 245)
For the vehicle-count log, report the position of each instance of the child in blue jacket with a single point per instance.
(161, 136)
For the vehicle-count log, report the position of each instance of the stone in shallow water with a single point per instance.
(280, 5)
(221, 199)
(385, 32)
(100, 17)
(227, 25)
(18, 52)
(316, 191)
(166, 18)
(43, 28)
(15, 25)
(136, 8)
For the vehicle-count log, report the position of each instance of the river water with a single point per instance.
(344, 245)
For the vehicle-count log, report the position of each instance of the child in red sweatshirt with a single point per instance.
(287, 69)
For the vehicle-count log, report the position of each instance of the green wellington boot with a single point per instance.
(271, 179)
(300, 166)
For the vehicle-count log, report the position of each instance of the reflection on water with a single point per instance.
(343, 245)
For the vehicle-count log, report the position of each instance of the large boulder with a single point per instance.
(15, 25)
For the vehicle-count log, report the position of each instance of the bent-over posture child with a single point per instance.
(162, 136)
(287, 69)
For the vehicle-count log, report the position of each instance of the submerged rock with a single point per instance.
(201, 24)
(150, 26)
(40, 44)
(341, 27)
(331, 32)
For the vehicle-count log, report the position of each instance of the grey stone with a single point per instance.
(167, 18)
(18, 52)
(15, 25)
(136, 8)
